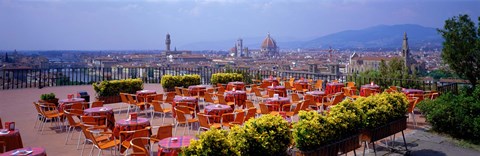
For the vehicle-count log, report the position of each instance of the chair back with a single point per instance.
(80, 105)
(178, 91)
(295, 97)
(337, 99)
(350, 84)
(220, 89)
(257, 91)
(164, 132)
(434, 96)
(412, 102)
(250, 113)
(221, 99)
(287, 85)
(123, 96)
(263, 108)
(304, 105)
(180, 116)
(170, 97)
(208, 98)
(203, 121)
(298, 107)
(69, 117)
(140, 146)
(319, 84)
(298, 87)
(249, 104)
(97, 104)
(158, 97)
(131, 99)
(210, 90)
(240, 117)
(185, 92)
(270, 93)
(308, 98)
(291, 81)
(157, 106)
(94, 120)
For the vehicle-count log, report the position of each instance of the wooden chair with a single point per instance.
(186, 92)
(337, 98)
(298, 107)
(133, 101)
(124, 98)
(220, 89)
(88, 137)
(205, 124)
(249, 104)
(178, 91)
(411, 106)
(350, 84)
(92, 133)
(182, 120)
(319, 85)
(348, 93)
(72, 124)
(288, 87)
(125, 142)
(157, 108)
(162, 132)
(97, 104)
(170, 98)
(250, 113)
(209, 98)
(295, 98)
(239, 117)
(263, 109)
(50, 113)
(258, 94)
(141, 146)
(97, 121)
(299, 89)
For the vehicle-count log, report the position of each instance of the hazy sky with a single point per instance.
(142, 24)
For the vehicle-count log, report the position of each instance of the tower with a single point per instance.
(167, 42)
(239, 48)
(405, 53)
(269, 47)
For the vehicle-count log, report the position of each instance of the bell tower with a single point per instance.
(167, 42)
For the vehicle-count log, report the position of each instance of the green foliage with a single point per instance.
(49, 96)
(224, 78)
(456, 115)
(314, 130)
(382, 108)
(210, 143)
(267, 135)
(439, 73)
(115, 87)
(169, 81)
(461, 48)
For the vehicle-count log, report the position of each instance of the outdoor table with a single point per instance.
(129, 125)
(197, 90)
(35, 151)
(317, 95)
(368, 86)
(217, 110)
(142, 96)
(192, 102)
(333, 87)
(98, 111)
(237, 96)
(304, 83)
(12, 139)
(168, 143)
(280, 90)
(412, 91)
(237, 85)
(63, 103)
(277, 101)
(271, 80)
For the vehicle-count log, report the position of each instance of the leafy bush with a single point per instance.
(224, 78)
(267, 135)
(211, 143)
(170, 81)
(382, 108)
(456, 115)
(314, 130)
(115, 87)
(49, 96)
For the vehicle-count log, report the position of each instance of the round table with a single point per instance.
(192, 102)
(317, 95)
(277, 101)
(333, 87)
(280, 90)
(168, 143)
(237, 96)
(237, 85)
(368, 86)
(271, 80)
(62, 103)
(216, 111)
(129, 125)
(304, 83)
(143, 94)
(12, 139)
(197, 90)
(36, 151)
(98, 111)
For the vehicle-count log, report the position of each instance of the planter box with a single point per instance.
(372, 135)
(344, 146)
(109, 99)
(54, 101)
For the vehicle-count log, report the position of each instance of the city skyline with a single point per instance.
(142, 25)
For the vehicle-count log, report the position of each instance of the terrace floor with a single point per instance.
(16, 105)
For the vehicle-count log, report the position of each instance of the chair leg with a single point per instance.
(68, 133)
(175, 133)
(414, 122)
(91, 151)
(128, 110)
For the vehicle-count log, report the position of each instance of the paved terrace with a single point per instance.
(16, 105)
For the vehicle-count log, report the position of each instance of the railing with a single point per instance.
(38, 78)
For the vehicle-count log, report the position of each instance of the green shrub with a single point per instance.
(210, 143)
(115, 87)
(456, 115)
(267, 135)
(170, 82)
(49, 96)
(224, 78)
(382, 108)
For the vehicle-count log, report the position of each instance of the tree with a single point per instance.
(461, 48)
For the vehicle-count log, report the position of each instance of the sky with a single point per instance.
(143, 24)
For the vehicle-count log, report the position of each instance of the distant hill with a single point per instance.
(382, 36)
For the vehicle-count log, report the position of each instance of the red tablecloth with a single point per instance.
(142, 95)
(237, 96)
(332, 87)
(12, 139)
(36, 151)
(237, 85)
(193, 102)
(97, 111)
(368, 86)
(278, 102)
(129, 125)
(271, 80)
(304, 83)
(216, 111)
(195, 90)
(280, 90)
(62, 103)
(182, 141)
(317, 95)
(412, 91)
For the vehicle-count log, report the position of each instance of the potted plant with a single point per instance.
(210, 143)
(109, 91)
(224, 78)
(50, 98)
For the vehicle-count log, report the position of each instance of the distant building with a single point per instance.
(269, 47)
(167, 42)
(238, 50)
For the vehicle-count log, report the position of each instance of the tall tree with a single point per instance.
(461, 48)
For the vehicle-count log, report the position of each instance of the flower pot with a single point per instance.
(109, 99)
(344, 146)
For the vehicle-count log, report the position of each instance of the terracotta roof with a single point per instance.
(268, 42)
(374, 58)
